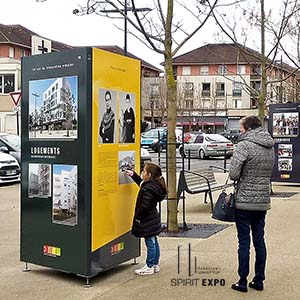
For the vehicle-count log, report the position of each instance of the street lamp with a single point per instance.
(35, 95)
(125, 10)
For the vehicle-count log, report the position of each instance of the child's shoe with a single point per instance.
(145, 270)
(156, 268)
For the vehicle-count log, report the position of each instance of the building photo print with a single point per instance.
(126, 162)
(65, 204)
(53, 105)
(285, 124)
(39, 184)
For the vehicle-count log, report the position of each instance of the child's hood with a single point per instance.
(156, 188)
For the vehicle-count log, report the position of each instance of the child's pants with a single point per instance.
(153, 251)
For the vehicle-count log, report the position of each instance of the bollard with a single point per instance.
(225, 161)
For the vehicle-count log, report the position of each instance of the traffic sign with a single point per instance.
(16, 97)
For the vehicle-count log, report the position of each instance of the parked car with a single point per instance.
(145, 156)
(9, 168)
(231, 134)
(155, 139)
(206, 145)
(11, 144)
(187, 137)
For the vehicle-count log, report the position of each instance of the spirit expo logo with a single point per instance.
(193, 270)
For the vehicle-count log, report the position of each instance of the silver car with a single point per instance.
(206, 145)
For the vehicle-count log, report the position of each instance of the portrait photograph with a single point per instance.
(127, 117)
(107, 116)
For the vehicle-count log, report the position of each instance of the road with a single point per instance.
(195, 163)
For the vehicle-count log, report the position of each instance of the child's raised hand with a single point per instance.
(128, 172)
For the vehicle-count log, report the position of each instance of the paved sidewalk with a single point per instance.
(216, 255)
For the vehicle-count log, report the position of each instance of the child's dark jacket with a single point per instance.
(146, 221)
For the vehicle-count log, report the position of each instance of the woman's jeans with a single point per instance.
(153, 251)
(254, 220)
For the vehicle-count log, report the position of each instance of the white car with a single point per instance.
(9, 169)
(206, 145)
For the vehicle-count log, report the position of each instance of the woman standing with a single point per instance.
(251, 166)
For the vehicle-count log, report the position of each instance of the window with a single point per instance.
(189, 95)
(11, 52)
(255, 70)
(154, 90)
(253, 103)
(186, 71)
(199, 139)
(237, 89)
(220, 91)
(188, 90)
(188, 104)
(237, 103)
(7, 83)
(241, 69)
(205, 89)
(222, 70)
(23, 53)
(256, 85)
(204, 70)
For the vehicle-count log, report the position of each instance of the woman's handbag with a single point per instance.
(224, 209)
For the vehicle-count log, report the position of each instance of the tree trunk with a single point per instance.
(171, 119)
(263, 93)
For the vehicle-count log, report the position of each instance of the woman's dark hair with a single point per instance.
(107, 94)
(156, 173)
(251, 122)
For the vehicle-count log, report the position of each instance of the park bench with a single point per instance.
(202, 181)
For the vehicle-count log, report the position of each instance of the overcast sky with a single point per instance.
(53, 19)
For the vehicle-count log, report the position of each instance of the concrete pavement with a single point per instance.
(216, 261)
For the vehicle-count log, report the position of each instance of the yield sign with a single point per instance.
(16, 97)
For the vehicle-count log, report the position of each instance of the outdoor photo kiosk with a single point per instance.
(80, 129)
(284, 127)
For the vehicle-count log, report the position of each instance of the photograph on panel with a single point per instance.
(286, 124)
(107, 116)
(126, 162)
(285, 164)
(127, 117)
(39, 180)
(53, 108)
(65, 195)
(285, 150)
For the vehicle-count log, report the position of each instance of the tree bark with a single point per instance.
(171, 119)
(263, 94)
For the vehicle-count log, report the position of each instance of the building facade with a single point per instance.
(65, 190)
(56, 98)
(217, 84)
(44, 175)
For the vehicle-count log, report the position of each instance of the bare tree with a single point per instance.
(273, 32)
(161, 32)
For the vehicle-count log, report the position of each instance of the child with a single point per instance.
(146, 221)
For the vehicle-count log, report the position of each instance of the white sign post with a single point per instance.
(16, 97)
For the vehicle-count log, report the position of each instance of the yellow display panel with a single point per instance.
(115, 144)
